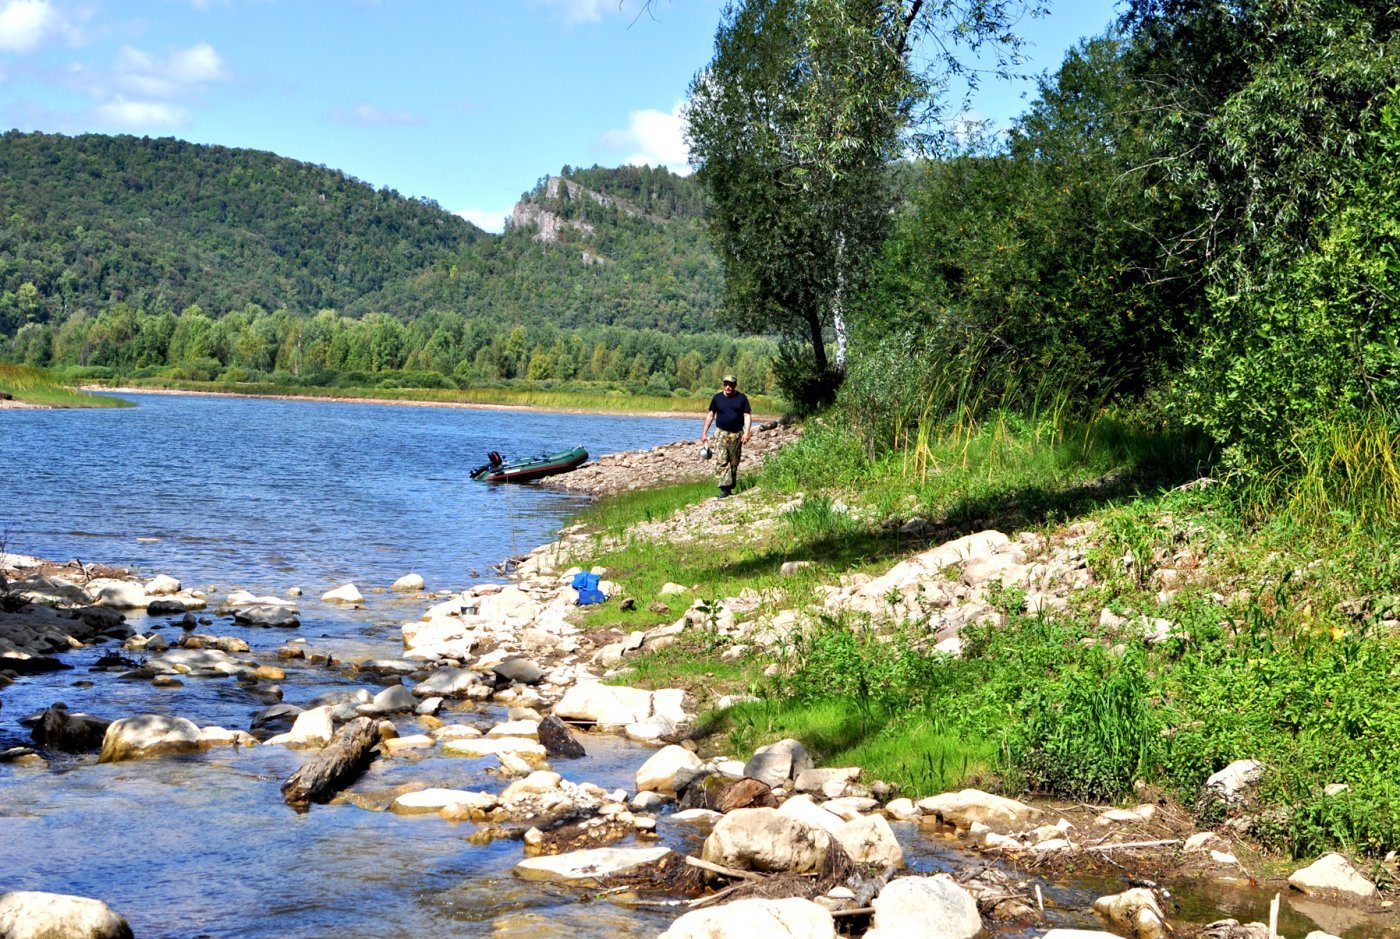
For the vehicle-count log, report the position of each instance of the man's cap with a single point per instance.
(729, 380)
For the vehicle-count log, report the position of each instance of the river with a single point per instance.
(267, 495)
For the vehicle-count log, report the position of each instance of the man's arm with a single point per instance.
(705, 431)
(748, 424)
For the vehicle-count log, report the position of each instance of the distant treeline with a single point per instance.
(436, 350)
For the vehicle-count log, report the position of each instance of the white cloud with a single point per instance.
(493, 220)
(653, 138)
(142, 115)
(24, 24)
(184, 71)
(370, 115)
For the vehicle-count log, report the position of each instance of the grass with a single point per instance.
(611, 402)
(1284, 593)
(39, 387)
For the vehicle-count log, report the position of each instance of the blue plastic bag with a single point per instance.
(587, 586)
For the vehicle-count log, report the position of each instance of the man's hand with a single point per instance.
(746, 437)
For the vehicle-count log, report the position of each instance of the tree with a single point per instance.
(791, 127)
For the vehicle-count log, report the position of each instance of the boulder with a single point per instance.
(312, 728)
(802, 806)
(119, 594)
(790, 918)
(747, 793)
(831, 782)
(429, 801)
(778, 763)
(409, 583)
(72, 732)
(605, 705)
(558, 740)
(30, 914)
(275, 617)
(668, 771)
(768, 841)
(1234, 783)
(925, 906)
(519, 669)
(494, 746)
(395, 699)
(870, 840)
(449, 682)
(163, 585)
(1135, 911)
(592, 867)
(148, 735)
(1332, 876)
(962, 809)
(346, 593)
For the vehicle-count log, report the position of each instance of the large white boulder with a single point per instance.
(495, 746)
(767, 840)
(31, 914)
(1234, 783)
(790, 918)
(605, 705)
(590, 867)
(148, 735)
(511, 607)
(778, 763)
(964, 808)
(1332, 876)
(668, 770)
(1136, 911)
(345, 593)
(120, 594)
(432, 800)
(870, 840)
(925, 906)
(409, 583)
(162, 585)
(312, 728)
(802, 807)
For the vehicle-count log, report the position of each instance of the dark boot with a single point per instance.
(724, 491)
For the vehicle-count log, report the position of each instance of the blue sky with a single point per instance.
(465, 102)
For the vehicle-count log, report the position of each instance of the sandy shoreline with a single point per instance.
(697, 414)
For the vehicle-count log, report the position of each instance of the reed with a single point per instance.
(40, 387)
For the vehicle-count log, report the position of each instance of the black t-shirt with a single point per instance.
(729, 410)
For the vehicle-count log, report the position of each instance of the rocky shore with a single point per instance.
(785, 847)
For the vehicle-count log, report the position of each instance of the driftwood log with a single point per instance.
(339, 764)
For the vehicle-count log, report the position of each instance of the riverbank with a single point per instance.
(482, 399)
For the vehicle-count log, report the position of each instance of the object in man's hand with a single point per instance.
(706, 452)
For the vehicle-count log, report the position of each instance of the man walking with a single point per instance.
(733, 418)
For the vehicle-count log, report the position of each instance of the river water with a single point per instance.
(266, 495)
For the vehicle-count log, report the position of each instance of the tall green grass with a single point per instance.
(40, 387)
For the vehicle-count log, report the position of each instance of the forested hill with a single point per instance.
(620, 247)
(160, 225)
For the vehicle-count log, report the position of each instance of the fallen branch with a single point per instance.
(342, 761)
(861, 911)
(722, 870)
(1134, 844)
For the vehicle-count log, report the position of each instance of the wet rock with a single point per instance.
(273, 617)
(789, 918)
(313, 727)
(409, 583)
(962, 809)
(559, 742)
(432, 801)
(1332, 876)
(591, 867)
(72, 732)
(146, 736)
(389, 666)
(278, 717)
(30, 914)
(1135, 911)
(767, 840)
(121, 594)
(925, 906)
(668, 771)
(494, 746)
(395, 699)
(162, 585)
(346, 593)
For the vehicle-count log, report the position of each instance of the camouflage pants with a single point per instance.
(729, 448)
